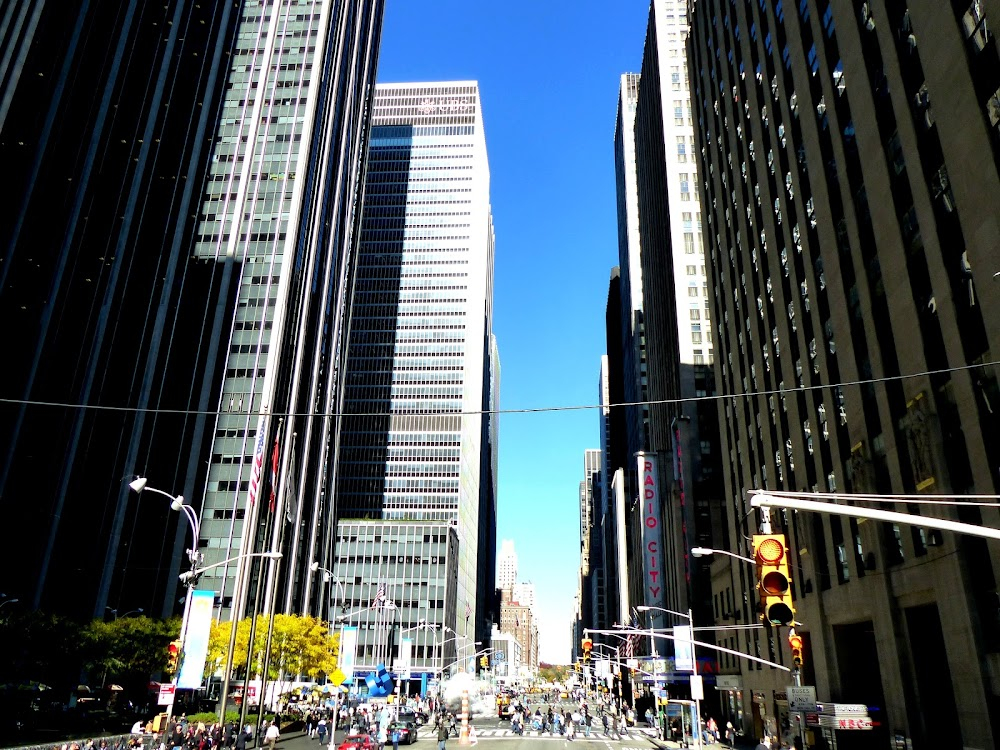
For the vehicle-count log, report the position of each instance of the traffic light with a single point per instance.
(484, 661)
(770, 554)
(173, 655)
(795, 643)
(586, 645)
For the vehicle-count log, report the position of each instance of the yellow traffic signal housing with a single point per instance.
(586, 645)
(796, 643)
(774, 584)
(484, 662)
(173, 656)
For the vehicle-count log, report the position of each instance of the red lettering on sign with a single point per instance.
(652, 546)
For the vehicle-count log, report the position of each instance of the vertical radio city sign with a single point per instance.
(649, 502)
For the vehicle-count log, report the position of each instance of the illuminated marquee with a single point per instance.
(649, 494)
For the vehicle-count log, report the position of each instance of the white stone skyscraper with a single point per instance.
(507, 565)
(417, 440)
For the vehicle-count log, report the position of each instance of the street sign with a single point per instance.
(166, 696)
(801, 698)
(697, 688)
(499, 656)
(845, 722)
(842, 709)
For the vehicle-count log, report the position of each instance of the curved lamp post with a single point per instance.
(705, 552)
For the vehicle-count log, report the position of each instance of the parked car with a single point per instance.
(356, 742)
(407, 731)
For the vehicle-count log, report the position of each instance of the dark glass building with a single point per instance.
(164, 164)
(848, 154)
(419, 439)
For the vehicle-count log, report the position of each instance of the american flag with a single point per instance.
(630, 645)
(258, 464)
(380, 597)
(274, 474)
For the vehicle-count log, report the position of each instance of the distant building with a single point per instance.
(518, 619)
(418, 441)
(523, 592)
(507, 565)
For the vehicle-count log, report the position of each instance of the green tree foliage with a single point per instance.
(553, 672)
(300, 645)
(41, 648)
(129, 649)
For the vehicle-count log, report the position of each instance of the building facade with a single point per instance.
(681, 433)
(422, 364)
(167, 173)
(507, 565)
(416, 565)
(848, 157)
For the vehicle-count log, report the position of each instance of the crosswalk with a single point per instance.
(496, 734)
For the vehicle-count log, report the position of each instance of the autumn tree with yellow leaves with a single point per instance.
(300, 645)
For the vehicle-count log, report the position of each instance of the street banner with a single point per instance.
(348, 650)
(683, 649)
(652, 555)
(194, 648)
(405, 646)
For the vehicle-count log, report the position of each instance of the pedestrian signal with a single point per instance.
(173, 655)
(773, 581)
(795, 643)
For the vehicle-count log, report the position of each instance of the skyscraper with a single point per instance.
(186, 178)
(849, 158)
(664, 331)
(507, 565)
(422, 363)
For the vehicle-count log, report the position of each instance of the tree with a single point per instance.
(129, 649)
(300, 645)
(553, 672)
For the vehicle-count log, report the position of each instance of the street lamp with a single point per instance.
(114, 612)
(705, 552)
(696, 724)
(138, 486)
(9, 601)
(327, 577)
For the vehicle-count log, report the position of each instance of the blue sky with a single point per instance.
(548, 72)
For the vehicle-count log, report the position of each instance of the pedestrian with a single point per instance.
(473, 739)
(712, 728)
(443, 732)
(763, 744)
(241, 740)
(395, 738)
(272, 735)
(321, 729)
(730, 734)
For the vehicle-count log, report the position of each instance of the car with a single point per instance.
(407, 731)
(356, 742)
(409, 714)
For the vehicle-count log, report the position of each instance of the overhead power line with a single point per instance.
(522, 410)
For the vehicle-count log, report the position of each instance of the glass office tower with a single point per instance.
(277, 214)
(184, 180)
(422, 362)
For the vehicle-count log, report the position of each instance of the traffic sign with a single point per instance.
(166, 696)
(499, 656)
(842, 709)
(846, 722)
(801, 698)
